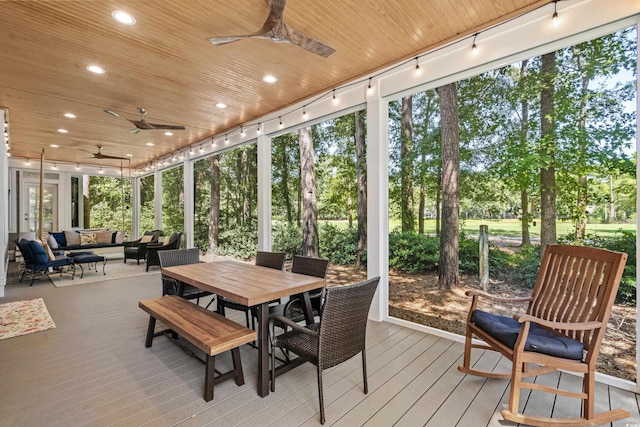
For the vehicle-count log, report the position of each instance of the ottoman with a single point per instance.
(89, 258)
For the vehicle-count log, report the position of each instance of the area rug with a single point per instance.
(24, 317)
(115, 269)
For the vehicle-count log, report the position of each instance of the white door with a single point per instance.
(30, 207)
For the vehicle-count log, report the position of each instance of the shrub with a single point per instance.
(413, 253)
(340, 245)
(286, 238)
(240, 242)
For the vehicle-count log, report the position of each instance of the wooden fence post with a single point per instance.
(483, 240)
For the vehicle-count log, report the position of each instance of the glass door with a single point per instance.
(50, 207)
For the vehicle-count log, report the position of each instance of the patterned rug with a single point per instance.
(24, 317)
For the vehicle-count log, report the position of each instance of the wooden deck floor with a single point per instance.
(94, 370)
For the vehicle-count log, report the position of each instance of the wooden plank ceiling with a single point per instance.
(165, 64)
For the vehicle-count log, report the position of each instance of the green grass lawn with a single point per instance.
(511, 227)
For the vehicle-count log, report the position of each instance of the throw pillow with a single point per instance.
(120, 236)
(52, 242)
(87, 238)
(38, 253)
(50, 254)
(146, 239)
(103, 236)
(59, 236)
(72, 237)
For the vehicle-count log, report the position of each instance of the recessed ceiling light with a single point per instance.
(63, 131)
(221, 105)
(95, 69)
(54, 145)
(269, 78)
(123, 17)
(168, 133)
(70, 115)
(150, 144)
(129, 155)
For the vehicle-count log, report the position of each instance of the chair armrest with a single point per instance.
(476, 293)
(285, 320)
(577, 326)
(131, 243)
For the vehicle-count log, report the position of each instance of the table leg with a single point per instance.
(263, 349)
(306, 306)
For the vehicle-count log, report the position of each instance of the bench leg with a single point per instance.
(150, 329)
(237, 366)
(209, 377)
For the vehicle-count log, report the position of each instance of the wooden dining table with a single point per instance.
(250, 285)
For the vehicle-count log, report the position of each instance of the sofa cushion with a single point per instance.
(52, 242)
(103, 236)
(72, 237)
(38, 252)
(59, 236)
(539, 340)
(146, 239)
(49, 252)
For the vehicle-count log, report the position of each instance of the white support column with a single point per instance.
(157, 199)
(189, 200)
(637, 198)
(264, 193)
(4, 208)
(135, 208)
(378, 202)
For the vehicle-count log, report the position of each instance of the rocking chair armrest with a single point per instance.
(578, 326)
(475, 293)
(285, 320)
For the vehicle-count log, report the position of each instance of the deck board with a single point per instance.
(93, 370)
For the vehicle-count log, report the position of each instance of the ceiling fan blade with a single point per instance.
(312, 45)
(219, 41)
(167, 127)
(106, 156)
(113, 113)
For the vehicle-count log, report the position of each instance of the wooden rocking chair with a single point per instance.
(563, 328)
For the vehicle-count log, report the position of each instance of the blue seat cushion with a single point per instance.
(540, 340)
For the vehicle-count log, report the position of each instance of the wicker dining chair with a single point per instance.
(273, 260)
(338, 337)
(171, 286)
(562, 329)
(293, 309)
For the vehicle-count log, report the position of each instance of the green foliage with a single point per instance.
(340, 245)
(241, 242)
(286, 238)
(412, 252)
(524, 267)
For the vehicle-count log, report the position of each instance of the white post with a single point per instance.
(264, 193)
(189, 202)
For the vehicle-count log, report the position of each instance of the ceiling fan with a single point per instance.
(142, 124)
(101, 156)
(275, 29)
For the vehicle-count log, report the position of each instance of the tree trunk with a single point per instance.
(449, 275)
(524, 201)
(547, 151)
(406, 166)
(361, 176)
(246, 187)
(524, 134)
(214, 211)
(612, 201)
(284, 183)
(583, 180)
(439, 201)
(310, 246)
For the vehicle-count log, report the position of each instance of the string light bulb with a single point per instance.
(78, 166)
(54, 166)
(418, 70)
(28, 161)
(201, 148)
(226, 139)
(241, 131)
(554, 18)
(369, 90)
(304, 112)
(258, 129)
(280, 124)
(335, 100)
(474, 47)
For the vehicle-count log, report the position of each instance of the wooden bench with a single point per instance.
(208, 331)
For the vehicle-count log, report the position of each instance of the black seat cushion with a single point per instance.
(506, 330)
